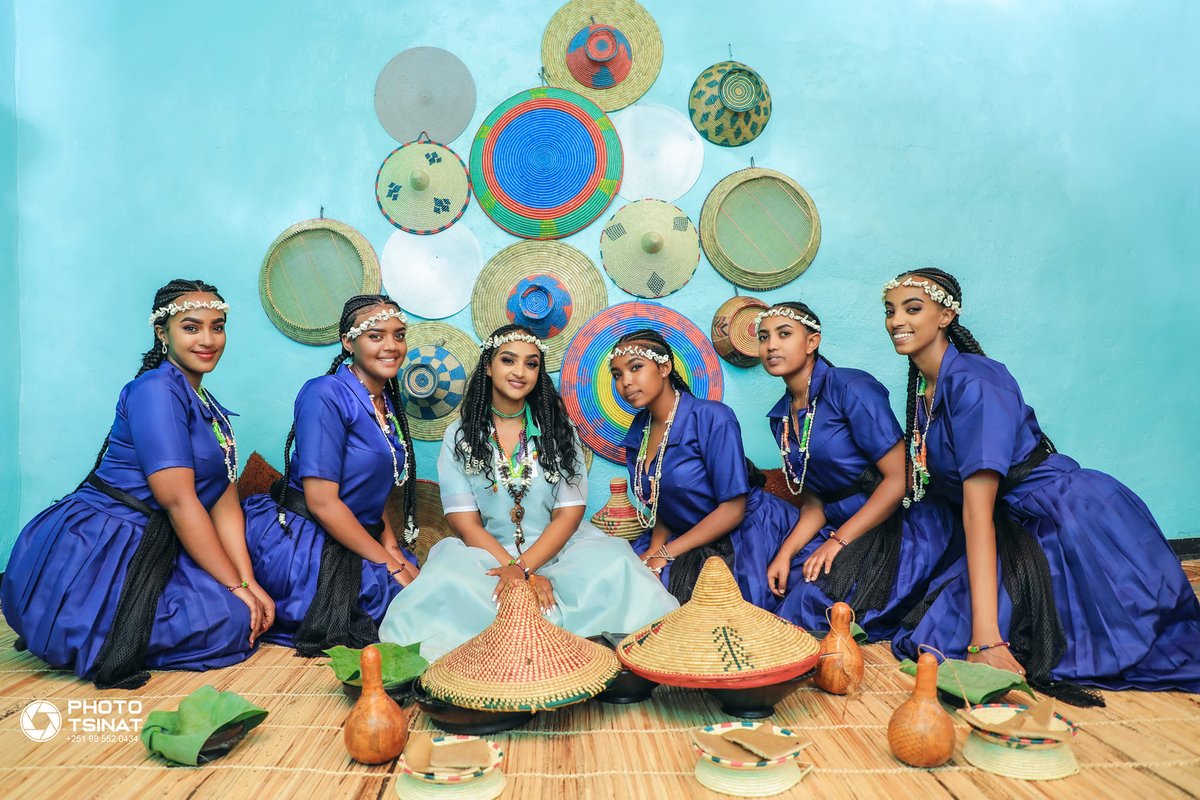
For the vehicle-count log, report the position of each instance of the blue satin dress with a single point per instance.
(599, 584)
(338, 439)
(68, 566)
(705, 466)
(853, 427)
(1130, 617)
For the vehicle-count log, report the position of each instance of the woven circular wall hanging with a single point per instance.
(434, 376)
(422, 187)
(663, 153)
(730, 104)
(545, 163)
(733, 331)
(434, 274)
(650, 248)
(308, 274)
(600, 414)
(425, 89)
(609, 51)
(759, 228)
(549, 287)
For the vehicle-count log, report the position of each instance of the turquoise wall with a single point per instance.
(10, 329)
(1045, 152)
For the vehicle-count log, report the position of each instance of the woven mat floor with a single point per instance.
(1143, 745)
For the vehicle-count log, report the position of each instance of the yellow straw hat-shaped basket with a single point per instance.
(717, 640)
(521, 662)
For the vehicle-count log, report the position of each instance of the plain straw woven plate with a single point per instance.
(434, 376)
(717, 640)
(434, 274)
(650, 248)
(663, 153)
(425, 89)
(549, 287)
(521, 662)
(759, 228)
(733, 331)
(609, 51)
(308, 274)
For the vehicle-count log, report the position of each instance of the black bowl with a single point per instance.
(758, 702)
(221, 742)
(954, 701)
(402, 693)
(628, 686)
(470, 721)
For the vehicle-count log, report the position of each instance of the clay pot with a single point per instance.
(840, 669)
(377, 729)
(920, 732)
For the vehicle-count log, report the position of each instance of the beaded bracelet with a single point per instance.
(516, 562)
(236, 586)
(838, 539)
(979, 648)
(663, 554)
(397, 571)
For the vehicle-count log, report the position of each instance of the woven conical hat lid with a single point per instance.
(718, 640)
(521, 662)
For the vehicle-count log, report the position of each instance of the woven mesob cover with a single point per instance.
(759, 228)
(422, 187)
(433, 378)
(650, 248)
(717, 640)
(521, 662)
(618, 517)
(733, 331)
(730, 104)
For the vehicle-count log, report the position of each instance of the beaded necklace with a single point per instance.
(383, 420)
(515, 474)
(789, 474)
(514, 415)
(639, 467)
(918, 448)
(227, 443)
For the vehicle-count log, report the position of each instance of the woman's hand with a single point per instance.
(509, 575)
(256, 611)
(999, 657)
(777, 573)
(408, 571)
(267, 604)
(655, 563)
(544, 591)
(821, 560)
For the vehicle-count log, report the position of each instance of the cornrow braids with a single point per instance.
(350, 312)
(653, 340)
(804, 309)
(473, 444)
(154, 356)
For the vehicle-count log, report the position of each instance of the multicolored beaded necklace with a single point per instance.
(227, 443)
(918, 448)
(383, 420)
(639, 468)
(810, 409)
(515, 474)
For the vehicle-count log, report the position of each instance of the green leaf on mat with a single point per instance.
(980, 681)
(856, 631)
(180, 735)
(401, 663)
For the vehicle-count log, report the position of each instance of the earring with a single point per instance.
(164, 348)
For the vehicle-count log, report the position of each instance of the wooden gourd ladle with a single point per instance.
(377, 729)
(840, 668)
(920, 731)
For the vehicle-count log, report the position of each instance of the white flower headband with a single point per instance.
(515, 336)
(373, 321)
(171, 309)
(803, 319)
(936, 293)
(640, 352)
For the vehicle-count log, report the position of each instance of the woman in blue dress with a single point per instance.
(842, 455)
(1066, 575)
(99, 583)
(514, 491)
(697, 496)
(320, 541)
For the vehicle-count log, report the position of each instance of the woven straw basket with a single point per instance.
(618, 517)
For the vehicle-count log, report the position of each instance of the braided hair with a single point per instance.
(802, 308)
(391, 388)
(473, 445)
(155, 355)
(653, 341)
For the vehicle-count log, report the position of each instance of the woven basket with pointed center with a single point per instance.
(521, 662)
(717, 640)
(618, 517)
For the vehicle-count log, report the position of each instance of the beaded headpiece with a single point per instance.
(936, 293)
(374, 320)
(784, 311)
(516, 336)
(171, 309)
(640, 352)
